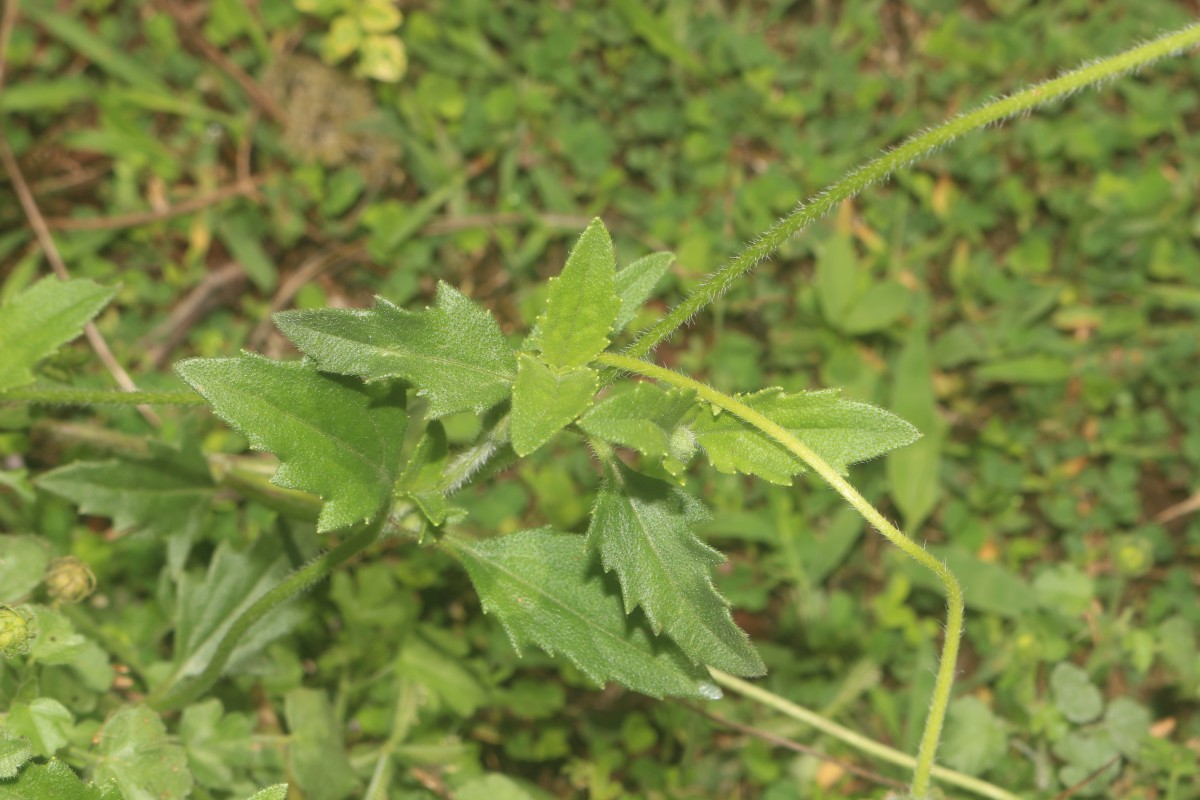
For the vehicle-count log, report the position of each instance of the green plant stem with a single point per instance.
(911, 150)
(857, 740)
(954, 595)
(173, 695)
(99, 397)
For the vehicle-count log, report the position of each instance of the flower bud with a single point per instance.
(16, 631)
(69, 580)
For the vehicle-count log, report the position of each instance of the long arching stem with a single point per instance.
(954, 595)
(911, 150)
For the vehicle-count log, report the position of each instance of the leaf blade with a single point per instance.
(642, 529)
(583, 302)
(546, 401)
(42, 318)
(454, 353)
(543, 587)
(334, 437)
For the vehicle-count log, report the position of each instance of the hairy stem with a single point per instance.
(99, 397)
(911, 150)
(173, 695)
(954, 595)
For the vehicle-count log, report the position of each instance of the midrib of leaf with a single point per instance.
(538, 591)
(442, 360)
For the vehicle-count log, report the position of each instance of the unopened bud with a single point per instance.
(69, 580)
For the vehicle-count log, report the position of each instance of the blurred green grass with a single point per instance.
(1028, 297)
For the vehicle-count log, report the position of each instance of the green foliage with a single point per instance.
(545, 401)
(337, 438)
(36, 322)
(841, 431)
(546, 589)
(453, 352)
(642, 529)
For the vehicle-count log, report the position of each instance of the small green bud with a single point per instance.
(16, 631)
(69, 580)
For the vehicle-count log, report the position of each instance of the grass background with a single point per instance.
(1028, 298)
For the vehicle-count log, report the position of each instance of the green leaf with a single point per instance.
(837, 278)
(546, 401)
(424, 478)
(217, 744)
(335, 437)
(207, 607)
(1074, 694)
(136, 752)
(277, 792)
(14, 753)
(316, 754)
(546, 589)
(582, 304)
(444, 674)
(45, 722)
(646, 418)
(974, 741)
(40, 319)
(636, 282)
(1128, 723)
(241, 237)
(841, 431)
(913, 473)
(453, 353)
(166, 496)
(57, 641)
(23, 562)
(642, 529)
(53, 780)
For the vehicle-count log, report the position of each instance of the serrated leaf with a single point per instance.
(546, 401)
(646, 418)
(208, 606)
(167, 496)
(582, 304)
(53, 780)
(547, 590)
(45, 722)
(636, 282)
(316, 753)
(841, 431)
(136, 753)
(642, 529)
(40, 319)
(453, 353)
(335, 437)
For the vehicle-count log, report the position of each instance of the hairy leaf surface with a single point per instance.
(648, 419)
(636, 282)
(334, 436)
(546, 401)
(136, 753)
(583, 302)
(841, 431)
(453, 353)
(546, 589)
(40, 319)
(642, 529)
(53, 780)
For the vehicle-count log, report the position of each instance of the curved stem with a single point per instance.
(172, 695)
(911, 150)
(954, 595)
(853, 738)
(99, 397)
